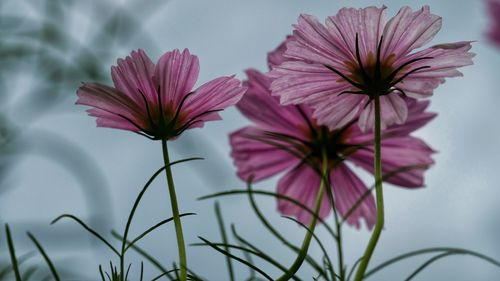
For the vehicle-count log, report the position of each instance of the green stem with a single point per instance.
(175, 214)
(379, 197)
(307, 239)
(340, 252)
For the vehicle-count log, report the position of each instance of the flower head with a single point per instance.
(158, 101)
(494, 29)
(288, 138)
(339, 67)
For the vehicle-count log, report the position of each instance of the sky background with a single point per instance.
(106, 168)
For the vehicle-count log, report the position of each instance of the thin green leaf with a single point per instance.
(149, 230)
(12, 253)
(427, 263)
(431, 250)
(278, 235)
(136, 205)
(101, 273)
(45, 256)
(23, 258)
(320, 244)
(272, 194)
(384, 178)
(353, 268)
(142, 271)
(222, 229)
(144, 254)
(261, 253)
(90, 230)
(238, 259)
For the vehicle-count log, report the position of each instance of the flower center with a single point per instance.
(375, 77)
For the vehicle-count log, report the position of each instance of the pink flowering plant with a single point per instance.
(338, 99)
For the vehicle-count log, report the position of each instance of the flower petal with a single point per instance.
(302, 184)
(211, 97)
(405, 157)
(110, 120)
(299, 82)
(259, 106)
(337, 111)
(409, 30)
(257, 158)
(445, 59)
(134, 75)
(111, 102)
(367, 23)
(277, 56)
(348, 189)
(313, 42)
(393, 109)
(417, 118)
(176, 73)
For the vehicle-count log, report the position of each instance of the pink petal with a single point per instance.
(417, 118)
(302, 184)
(393, 109)
(446, 58)
(276, 57)
(299, 82)
(110, 120)
(259, 106)
(409, 30)
(213, 96)
(111, 102)
(134, 75)
(494, 15)
(398, 153)
(176, 73)
(315, 43)
(420, 87)
(348, 189)
(337, 111)
(368, 23)
(256, 158)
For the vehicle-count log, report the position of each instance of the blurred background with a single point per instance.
(54, 160)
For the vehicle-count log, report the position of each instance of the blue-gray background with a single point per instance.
(96, 173)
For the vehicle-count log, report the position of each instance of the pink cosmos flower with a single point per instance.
(494, 12)
(288, 139)
(158, 101)
(339, 67)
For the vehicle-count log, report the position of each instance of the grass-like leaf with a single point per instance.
(222, 229)
(261, 253)
(149, 230)
(23, 258)
(271, 194)
(276, 234)
(45, 256)
(12, 252)
(427, 263)
(90, 230)
(320, 244)
(238, 259)
(385, 177)
(141, 194)
(428, 251)
(351, 272)
(145, 255)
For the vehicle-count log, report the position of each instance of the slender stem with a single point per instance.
(175, 214)
(379, 197)
(307, 239)
(338, 236)
(340, 252)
